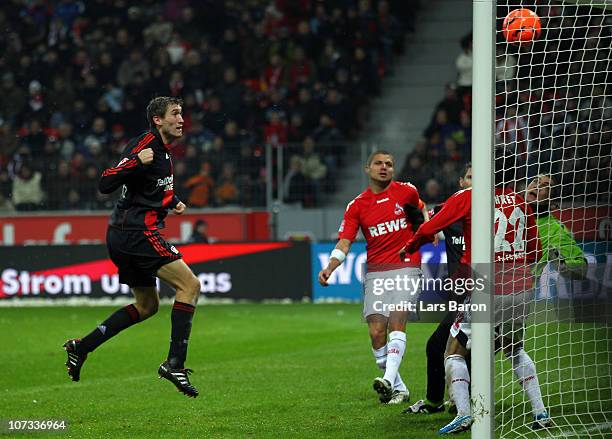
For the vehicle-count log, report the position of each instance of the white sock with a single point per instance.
(395, 352)
(380, 355)
(459, 383)
(525, 371)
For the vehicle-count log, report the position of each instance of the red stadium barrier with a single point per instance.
(590, 223)
(91, 228)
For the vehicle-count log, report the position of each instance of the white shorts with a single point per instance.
(392, 290)
(510, 313)
(462, 331)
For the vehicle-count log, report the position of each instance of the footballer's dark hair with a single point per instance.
(376, 152)
(158, 107)
(466, 168)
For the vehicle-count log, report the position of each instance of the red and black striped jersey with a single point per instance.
(147, 190)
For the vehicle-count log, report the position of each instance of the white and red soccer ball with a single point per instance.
(522, 27)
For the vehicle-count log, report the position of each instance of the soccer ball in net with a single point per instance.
(522, 27)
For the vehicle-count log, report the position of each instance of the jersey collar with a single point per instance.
(158, 136)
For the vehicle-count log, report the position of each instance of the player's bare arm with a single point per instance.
(336, 258)
(427, 218)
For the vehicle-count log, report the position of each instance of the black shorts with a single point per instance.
(138, 254)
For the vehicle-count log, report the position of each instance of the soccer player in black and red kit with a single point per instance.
(136, 247)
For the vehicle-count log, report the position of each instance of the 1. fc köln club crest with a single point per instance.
(398, 209)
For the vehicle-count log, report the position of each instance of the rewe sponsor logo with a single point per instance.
(388, 227)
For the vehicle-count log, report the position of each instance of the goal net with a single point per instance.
(553, 118)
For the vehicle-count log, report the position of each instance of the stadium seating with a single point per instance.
(77, 77)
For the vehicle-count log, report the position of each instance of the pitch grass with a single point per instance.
(264, 371)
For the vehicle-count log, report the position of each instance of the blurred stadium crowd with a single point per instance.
(77, 76)
(554, 110)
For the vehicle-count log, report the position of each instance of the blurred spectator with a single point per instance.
(194, 72)
(87, 186)
(433, 191)
(296, 185)
(214, 118)
(200, 232)
(335, 105)
(414, 171)
(36, 105)
(13, 98)
(363, 68)
(216, 66)
(512, 131)
(34, 137)
(176, 48)
(63, 181)
(226, 191)
(505, 66)
(231, 93)
(200, 186)
(463, 136)
(442, 126)
(133, 66)
(61, 96)
(27, 189)
(275, 132)
(326, 131)
(65, 141)
(308, 109)
(301, 69)
(464, 66)
(313, 168)
(6, 183)
(274, 74)
(451, 153)
(8, 144)
(5, 205)
(451, 103)
(390, 31)
(295, 130)
(255, 52)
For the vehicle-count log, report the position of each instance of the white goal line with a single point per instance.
(578, 433)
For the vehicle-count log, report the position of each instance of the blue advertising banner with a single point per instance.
(346, 282)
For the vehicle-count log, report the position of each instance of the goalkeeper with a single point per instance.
(559, 247)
